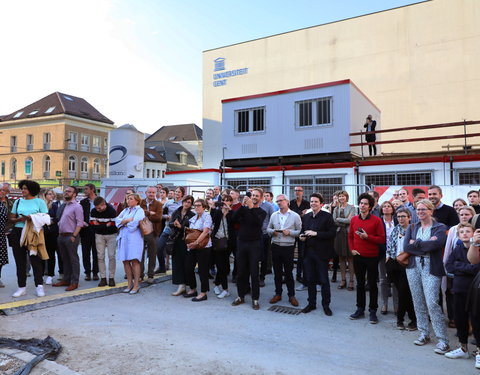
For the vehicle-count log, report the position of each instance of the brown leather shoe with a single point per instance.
(276, 298)
(71, 287)
(293, 301)
(61, 283)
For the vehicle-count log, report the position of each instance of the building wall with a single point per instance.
(418, 64)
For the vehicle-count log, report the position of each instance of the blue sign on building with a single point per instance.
(219, 79)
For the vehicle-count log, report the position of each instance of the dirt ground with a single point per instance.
(155, 333)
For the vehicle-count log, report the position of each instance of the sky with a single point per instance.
(140, 62)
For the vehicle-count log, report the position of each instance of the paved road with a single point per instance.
(155, 333)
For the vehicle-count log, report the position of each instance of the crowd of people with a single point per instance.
(416, 252)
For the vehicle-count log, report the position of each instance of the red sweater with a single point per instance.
(375, 229)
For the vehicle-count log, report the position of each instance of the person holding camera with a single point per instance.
(249, 246)
(366, 233)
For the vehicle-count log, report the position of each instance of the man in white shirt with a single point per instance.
(284, 226)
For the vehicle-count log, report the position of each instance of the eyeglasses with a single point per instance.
(402, 216)
(298, 190)
(197, 205)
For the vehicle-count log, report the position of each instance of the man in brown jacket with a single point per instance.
(153, 211)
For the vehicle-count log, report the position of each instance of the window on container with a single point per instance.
(323, 111)
(258, 118)
(469, 178)
(242, 121)
(305, 113)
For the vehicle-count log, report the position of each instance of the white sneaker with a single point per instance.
(457, 353)
(40, 291)
(301, 287)
(477, 361)
(20, 292)
(217, 290)
(223, 294)
(49, 280)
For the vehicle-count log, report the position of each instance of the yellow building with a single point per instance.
(419, 64)
(60, 139)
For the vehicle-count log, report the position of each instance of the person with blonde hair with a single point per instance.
(130, 241)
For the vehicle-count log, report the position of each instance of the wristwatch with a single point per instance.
(472, 242)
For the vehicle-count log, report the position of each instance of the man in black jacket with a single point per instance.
(87, 235)
(318, 232)
(103, 225)
(249, 246)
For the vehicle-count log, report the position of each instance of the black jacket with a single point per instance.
(323, 224)
(177, 233)
(371, 137)
(250, 220)
(85, 203)
(464, 272)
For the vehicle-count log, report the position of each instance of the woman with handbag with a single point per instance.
(179, 220)
(199, 245)
(396, 272)
(342, 214)
(130, 241)
(424, 242)
(222, 217)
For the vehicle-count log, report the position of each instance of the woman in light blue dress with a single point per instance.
(130, 241)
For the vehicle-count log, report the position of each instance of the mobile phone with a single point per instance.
(360, 229)
(279, 230)
(248, 194)
(303, 235)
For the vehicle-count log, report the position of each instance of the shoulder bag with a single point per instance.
(403, 258)
(191, 235)
(220, 243)
(146, 226)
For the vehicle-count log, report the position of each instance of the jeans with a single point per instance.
(366, 268)
(316, 272)
(161, 242)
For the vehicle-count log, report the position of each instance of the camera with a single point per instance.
(219, 204)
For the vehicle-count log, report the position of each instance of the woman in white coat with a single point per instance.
(130, 241)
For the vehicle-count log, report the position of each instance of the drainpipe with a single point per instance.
(451, 171)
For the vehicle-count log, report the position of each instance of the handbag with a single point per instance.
(220, 243)
(402, 259)
(191, 235)
(146, 226)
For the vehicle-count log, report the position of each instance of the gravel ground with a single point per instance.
(155, 333)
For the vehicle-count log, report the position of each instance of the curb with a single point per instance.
(18, 307)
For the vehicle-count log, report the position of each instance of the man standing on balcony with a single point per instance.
(370, 135)
(87, 234)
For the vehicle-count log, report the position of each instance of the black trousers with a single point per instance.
(52, 248)
(202, 257)
(267, 240)
(300, 255)
(282, 259)
(366, 269)
(87, 236)
(316, 273)
(462, 316)
(179, 256)
(20, 253)
(248, 257)
(372, 150)
(222, 261)
(398, 276)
